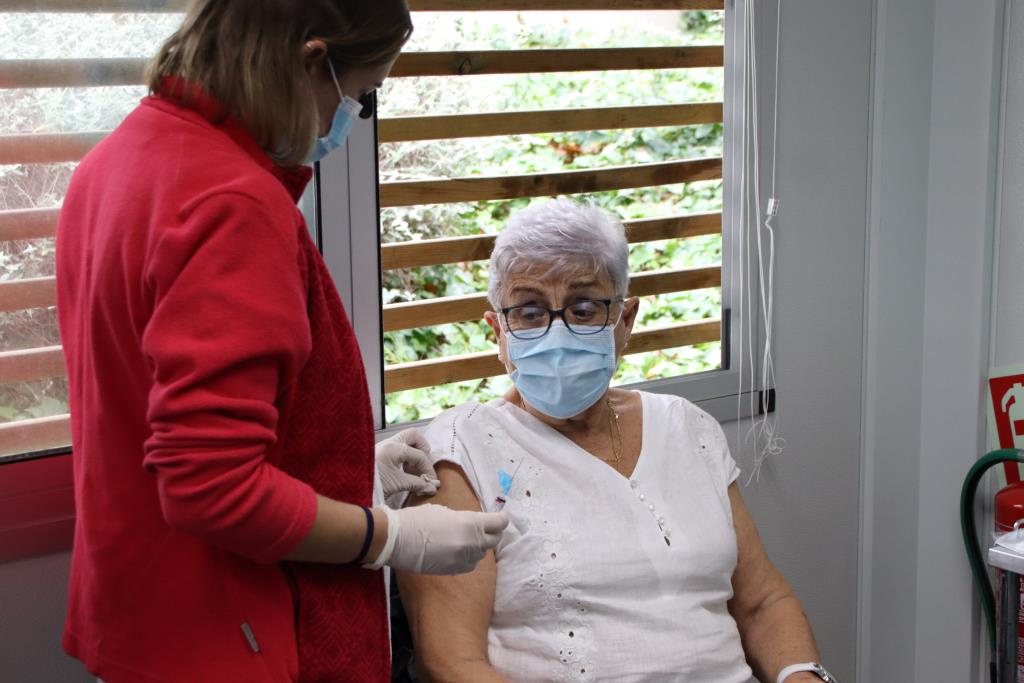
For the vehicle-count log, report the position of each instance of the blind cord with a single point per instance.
(757, 232)
(743, 232)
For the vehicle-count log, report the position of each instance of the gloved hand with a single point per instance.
(431, 539)
(403, 465)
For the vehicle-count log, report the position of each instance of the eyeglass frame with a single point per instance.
(560, 313)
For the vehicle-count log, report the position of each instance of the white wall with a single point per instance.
(806, 503)
(902, 112)
(936, 94)
(1008, 348)
(967, 63)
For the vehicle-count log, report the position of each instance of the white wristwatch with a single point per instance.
(815, 668)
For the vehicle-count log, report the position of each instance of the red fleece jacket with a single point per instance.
(215, 383)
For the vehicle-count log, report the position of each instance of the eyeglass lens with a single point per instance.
(582, 317)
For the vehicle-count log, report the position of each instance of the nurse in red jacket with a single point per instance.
(222, 431)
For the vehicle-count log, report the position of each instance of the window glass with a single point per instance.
(545, 153)
(33, 390)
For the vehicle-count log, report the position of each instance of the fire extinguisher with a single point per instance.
(1010, 498)
(1009, 508)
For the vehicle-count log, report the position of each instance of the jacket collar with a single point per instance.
(181, 93)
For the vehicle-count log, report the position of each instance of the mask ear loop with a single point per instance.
(502, 325)
(503, 359)
(334, 77)
(622, 311)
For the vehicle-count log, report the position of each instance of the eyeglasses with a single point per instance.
(589, 316)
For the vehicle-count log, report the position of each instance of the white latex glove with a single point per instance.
(403, 465)
(431, 539)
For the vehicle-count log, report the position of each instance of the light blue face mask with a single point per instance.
(562, 374)
(344, 118)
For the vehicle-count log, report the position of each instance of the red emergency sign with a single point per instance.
(1006, 411)
(1007, 393)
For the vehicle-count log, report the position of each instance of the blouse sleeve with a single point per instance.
(709, 439)
(448, 444)
(718, 447)
(228, 332)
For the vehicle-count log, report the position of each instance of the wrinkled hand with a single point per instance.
(431, 539)
(403, 465)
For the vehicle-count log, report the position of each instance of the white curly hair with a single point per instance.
(561, 234)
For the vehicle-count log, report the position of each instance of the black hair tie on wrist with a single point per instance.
(369, 537)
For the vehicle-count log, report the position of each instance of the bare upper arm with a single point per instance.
(755, 580)
(449, 615)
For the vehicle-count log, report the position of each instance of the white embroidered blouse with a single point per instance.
(600, 577)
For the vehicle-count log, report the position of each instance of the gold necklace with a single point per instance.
(613, 424)
(614, 433)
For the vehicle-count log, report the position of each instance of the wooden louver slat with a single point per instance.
(429, 312)
(674, 227)
(672, 336)
(476, 63)
(19, 295)
(57, 147)
(70, 73)
(169, 6)
(95, 6)
(436, 372)
(448, 127)
(66, 73)
(41, 292)
(435, 252)
(474, 189)
(560, 5)
(21, 366)
(28, 224)
(478, 247)
(47, 148)
(671, 281)
(31, 364)
(40, 434)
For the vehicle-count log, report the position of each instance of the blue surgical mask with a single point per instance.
(562, 374)
(344, 118)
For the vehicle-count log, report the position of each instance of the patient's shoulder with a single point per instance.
(454, 444)
(669, 410)
(442, 432)
(679, 421)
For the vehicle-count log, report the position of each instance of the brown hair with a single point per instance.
(247, 54)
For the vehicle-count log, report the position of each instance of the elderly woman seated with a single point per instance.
(630, 555)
